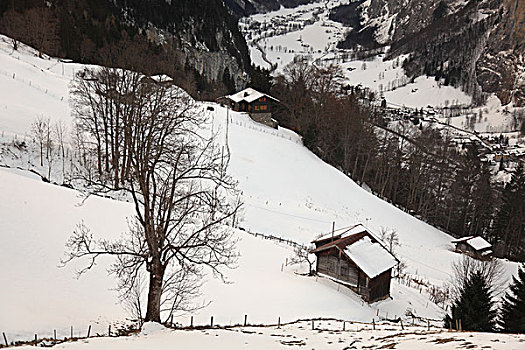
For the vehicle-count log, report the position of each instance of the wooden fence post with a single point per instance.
(71, 332)
(374, 324)
(89, 331)
(279, 322)
(460, 328)
(211, 322)
(344, 322)
(191, 322)
(313, 325)
(109, 331)
(36, 339)
(403, 328)
(428, 325)
(245, 320)
(5, 339)
(55, 335)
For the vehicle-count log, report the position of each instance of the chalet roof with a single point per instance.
(249, 95)
(372, 258)
(350, 231)
(476, 242)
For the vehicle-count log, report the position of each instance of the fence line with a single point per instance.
(274, 238)
(315, 322)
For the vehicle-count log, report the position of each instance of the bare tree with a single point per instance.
(39, 130)
(492, 271)
(177, 180)
(302, 255)
(60, 132)
(390, 238)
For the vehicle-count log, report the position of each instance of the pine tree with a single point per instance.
(509, 226)
(513, 308)
(473, 307)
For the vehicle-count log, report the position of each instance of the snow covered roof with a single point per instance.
(476, 242)
(249, 95)
(370, 257)
(352, 231)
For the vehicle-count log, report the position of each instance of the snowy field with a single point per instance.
(288, 192)
(327, 334)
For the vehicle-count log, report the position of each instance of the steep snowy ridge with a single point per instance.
(287, 191)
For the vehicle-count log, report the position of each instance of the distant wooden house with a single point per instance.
(475, 246)
(257, 104)
(357, 259)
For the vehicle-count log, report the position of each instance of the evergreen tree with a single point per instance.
(509, 226)
(513, 308)
(228, 81)
(462, 191)
(260, 79)
(474, 306)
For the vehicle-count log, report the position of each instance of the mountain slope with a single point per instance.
(475, 45)
(287, 191)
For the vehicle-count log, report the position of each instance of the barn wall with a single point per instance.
(338, 268)
(380, 286)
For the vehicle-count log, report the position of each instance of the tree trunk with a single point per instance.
(156, 276)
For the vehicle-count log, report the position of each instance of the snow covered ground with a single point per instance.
(287, 191)
(328, 334)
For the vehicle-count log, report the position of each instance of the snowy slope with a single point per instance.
(287, 192)
(328, 334)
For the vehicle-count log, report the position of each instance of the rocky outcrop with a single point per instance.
(206, 34)
(212, 66)
(477, 45)
(501, 68)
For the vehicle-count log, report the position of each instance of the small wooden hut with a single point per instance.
(475, 246)
(357, 259)
(257, 104)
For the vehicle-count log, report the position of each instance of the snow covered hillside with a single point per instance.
(287, 191)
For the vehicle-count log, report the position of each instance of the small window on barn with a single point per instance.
(256, 108)
(264, 107)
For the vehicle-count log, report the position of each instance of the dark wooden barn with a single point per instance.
(475, 246)
(358, 260)
(257, 104)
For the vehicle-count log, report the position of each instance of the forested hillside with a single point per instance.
(197, 43)
(413, 166)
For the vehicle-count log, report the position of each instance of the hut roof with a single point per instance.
(249, 95)
(351, 231)
(370, 257)
(476, 242)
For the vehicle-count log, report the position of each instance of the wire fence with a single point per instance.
(317, 324)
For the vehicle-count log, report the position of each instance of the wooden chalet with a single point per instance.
(357, 259)
(257, 104)
(475, 246)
